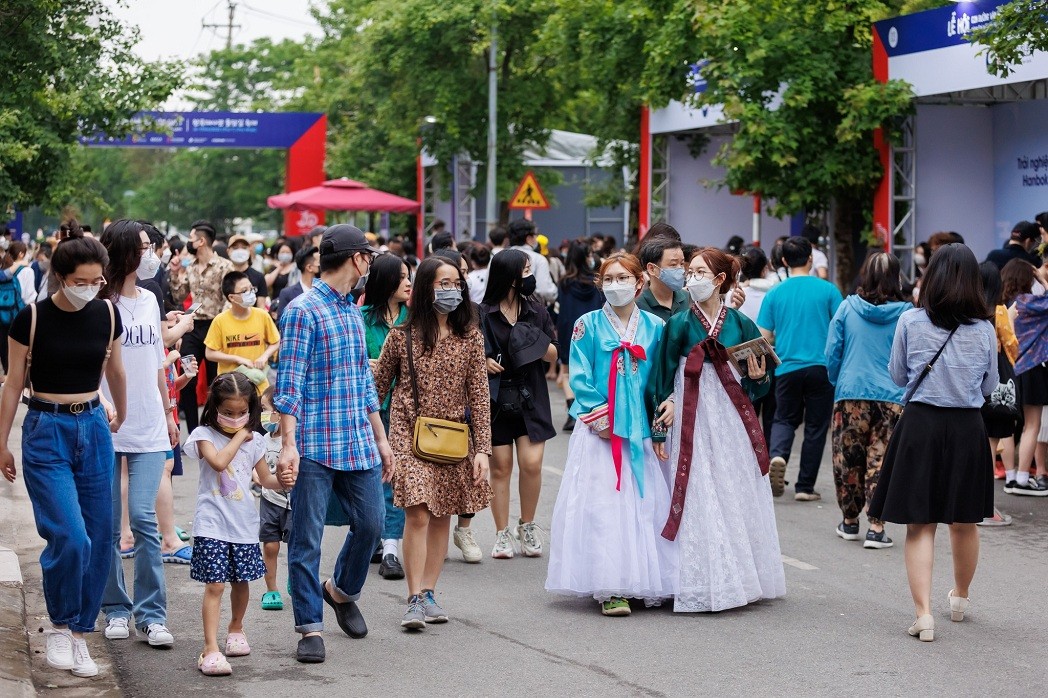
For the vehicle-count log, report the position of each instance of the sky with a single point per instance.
(172, 28)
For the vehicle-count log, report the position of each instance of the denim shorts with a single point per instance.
(217, 562)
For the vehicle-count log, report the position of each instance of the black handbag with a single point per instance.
(1004, 400)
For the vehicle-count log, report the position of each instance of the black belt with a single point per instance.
(35, 403)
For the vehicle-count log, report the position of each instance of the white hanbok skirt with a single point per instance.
(605, 542)
(728, 543)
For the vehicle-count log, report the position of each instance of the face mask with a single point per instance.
(231, 424)
(80, 296)
(148, 265)
(700, 289)
(186, 262)
(270, 422)
(260, 248)
(919, 260)
(285, 257)
(591, 263)
(673, 278)
(45, 264)
(4, 243)
(192, 247)
(620, 294)
(165, 258)
(247, 299)
(239, 256)
(527, 285)
(446, 301)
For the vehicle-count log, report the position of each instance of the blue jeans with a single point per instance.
(804, 395)
(360, 494)
(67, 462)
(393, 527)
(144, 471)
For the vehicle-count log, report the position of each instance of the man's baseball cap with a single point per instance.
(345, 238)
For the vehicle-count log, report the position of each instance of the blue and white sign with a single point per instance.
(1020, 163)
(938, 28)
(212, 130)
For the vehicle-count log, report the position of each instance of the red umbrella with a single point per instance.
(343, 195)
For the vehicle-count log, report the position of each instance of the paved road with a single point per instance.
(840, 629)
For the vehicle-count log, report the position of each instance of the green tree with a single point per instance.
(67, 69)
(1020, 28)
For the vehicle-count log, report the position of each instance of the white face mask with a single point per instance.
(918, 260)
(148, 265)
(80, 296)
(165, 258)
(701, 289)
(247, 299)
(620, 295)
(284, 258)
(239, 256)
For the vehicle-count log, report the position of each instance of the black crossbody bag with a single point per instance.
(927, 369)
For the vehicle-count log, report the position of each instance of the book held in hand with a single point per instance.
(758, 347)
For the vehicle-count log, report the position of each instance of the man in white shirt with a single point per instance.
(523, 237)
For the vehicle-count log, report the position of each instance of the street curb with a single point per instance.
(16, 675)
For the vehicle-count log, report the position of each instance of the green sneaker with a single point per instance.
(615, 607)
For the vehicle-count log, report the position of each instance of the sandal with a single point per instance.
(182, 556)
(182, 535)
(272, 601)
(214, 664)
(236, 645)
(127, 553)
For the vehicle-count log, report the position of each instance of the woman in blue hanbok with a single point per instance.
(614, 496)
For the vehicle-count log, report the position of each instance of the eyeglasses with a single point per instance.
(447, 285)
(82, 284)
(621, 279)
(698, 274)
(145, 247)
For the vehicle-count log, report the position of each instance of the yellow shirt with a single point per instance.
(248, 338)
(1006, 340)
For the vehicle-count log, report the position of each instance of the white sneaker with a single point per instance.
(159, 635)
(83, 665)
(117, 629)
(503, 549)
(530, 542)
(465, 541)
(59, 648)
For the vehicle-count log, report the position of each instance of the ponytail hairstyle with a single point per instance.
(74, 249)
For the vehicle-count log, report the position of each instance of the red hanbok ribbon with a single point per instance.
(638, 353)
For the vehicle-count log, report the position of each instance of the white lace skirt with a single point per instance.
(605, 542)
(728, 544)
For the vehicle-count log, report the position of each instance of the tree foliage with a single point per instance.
(67, 69)
(1020, 28)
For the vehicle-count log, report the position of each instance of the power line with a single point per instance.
(282, 18)
(228, 26)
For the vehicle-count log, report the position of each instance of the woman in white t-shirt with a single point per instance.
(143, 439)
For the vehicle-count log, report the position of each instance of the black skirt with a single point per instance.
(938, 468)
(1033, 386)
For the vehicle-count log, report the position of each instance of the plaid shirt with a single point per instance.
(325, 380)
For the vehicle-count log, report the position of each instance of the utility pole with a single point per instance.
(491, 196)
(229, 26)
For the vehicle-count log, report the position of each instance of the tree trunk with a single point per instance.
(848, 220)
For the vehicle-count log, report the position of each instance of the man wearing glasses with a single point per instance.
(332, 438)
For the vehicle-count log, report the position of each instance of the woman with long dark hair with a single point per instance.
(937, 467)
(144, 439)
(437, 360)
(17, 289)
(867, 403)
(386, 295)
(65, 344)
(519, 336)
(578, 295)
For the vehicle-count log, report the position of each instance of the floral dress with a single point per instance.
(452, 384)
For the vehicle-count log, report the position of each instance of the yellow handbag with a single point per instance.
(439, 441)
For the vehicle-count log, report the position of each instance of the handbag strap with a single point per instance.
(928, 367)
(109, 341)
(28, 387)
(411, 370)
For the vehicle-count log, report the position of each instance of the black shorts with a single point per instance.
(507, 428)
(274, 522)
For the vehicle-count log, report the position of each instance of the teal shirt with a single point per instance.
(375, 334)
(799, 311)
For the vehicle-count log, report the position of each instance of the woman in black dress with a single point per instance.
(518, 337)
(937, 468)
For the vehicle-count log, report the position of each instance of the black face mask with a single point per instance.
(527, 285)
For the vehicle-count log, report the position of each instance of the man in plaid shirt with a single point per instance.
(333, 439)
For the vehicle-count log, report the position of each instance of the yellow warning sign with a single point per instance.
(529, 194)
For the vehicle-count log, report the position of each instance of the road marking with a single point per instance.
(793, 562)
(555, 471)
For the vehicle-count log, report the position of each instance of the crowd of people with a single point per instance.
(345, 382)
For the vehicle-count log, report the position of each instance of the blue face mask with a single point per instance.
(673, 278)
(186, 262)
(446, 301)
(259, 248)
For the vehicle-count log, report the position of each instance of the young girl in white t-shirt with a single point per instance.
(229, 445)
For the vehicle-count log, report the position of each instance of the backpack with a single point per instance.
(10, 298)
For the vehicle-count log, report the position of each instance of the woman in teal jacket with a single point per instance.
(867, 402)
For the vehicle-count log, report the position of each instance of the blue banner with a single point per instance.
(934, 29)
(191, 129)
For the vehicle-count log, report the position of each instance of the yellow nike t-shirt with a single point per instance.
(248, 338)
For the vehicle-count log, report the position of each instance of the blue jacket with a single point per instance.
(859, 347)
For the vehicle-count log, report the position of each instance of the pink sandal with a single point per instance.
(236, 645)
(214, 664)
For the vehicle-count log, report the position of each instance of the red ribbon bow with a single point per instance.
(638, 353)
